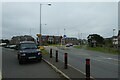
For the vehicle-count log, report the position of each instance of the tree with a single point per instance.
(54, 39)
(108, 42)
(95, 40)
(5, 41)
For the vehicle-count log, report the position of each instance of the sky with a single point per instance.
(74, 19)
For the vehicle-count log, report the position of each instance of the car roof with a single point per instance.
(27, 42)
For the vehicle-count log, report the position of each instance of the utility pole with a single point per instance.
(40, 27)
(64, 36)
(113, 38)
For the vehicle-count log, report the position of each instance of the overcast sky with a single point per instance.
(75, 17)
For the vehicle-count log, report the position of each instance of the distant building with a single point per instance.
(49, 39)
(16, 39)
(115, 40)
(72, 40)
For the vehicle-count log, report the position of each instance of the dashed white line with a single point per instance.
(103, 61)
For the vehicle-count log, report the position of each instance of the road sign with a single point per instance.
(64, 36)
(39, 35)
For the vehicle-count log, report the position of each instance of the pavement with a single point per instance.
(70, 73)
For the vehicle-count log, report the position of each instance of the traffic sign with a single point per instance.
(64, 36)
(39, 35)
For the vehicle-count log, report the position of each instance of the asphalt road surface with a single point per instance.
(12, 69)
(102, 65)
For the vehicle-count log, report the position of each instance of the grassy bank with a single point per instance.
(100, 49)
(44, 51)
(78, 47)
(104, 49)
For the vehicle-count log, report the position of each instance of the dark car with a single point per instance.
(27, 50)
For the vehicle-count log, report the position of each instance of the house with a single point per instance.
(50, 39)
(72, 40)
(115, 40)
(54, 39)
(16, 39)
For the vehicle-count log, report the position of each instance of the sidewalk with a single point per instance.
(70, 73)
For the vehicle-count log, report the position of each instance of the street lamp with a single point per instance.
(113, 37)
(64, 36)
(40, 22)
(81, 39)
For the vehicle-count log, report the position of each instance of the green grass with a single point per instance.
(44, 51)
(100, 49)
(103, 49)
(78, 47)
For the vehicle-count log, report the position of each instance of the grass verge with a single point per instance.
(78, 47)
(104, 49)
(100, 49)
(44, 51)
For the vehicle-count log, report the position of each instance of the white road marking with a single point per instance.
(113, 59)
(110, 58)
(83, 54)
(103, 61)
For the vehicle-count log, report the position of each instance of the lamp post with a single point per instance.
(64, 36)
(81, 39)
(40, 22)
(113, 37)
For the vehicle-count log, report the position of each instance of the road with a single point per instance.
(102, 65)
(12, 69)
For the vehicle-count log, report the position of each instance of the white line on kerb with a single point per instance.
(57, 70)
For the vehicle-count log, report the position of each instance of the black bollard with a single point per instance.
(56, 55)
(50, 53)
(87, 69)
(65, 61)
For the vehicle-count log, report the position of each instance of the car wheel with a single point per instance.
(39, 60)
(20, 62)
(18, 57)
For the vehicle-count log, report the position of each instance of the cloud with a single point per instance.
(86, 18)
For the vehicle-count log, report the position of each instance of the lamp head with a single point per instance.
(49, 4)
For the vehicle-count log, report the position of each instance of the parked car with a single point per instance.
(67, 45)
(70, 44)
(7, 46)
(12, 46)
(27, 50)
